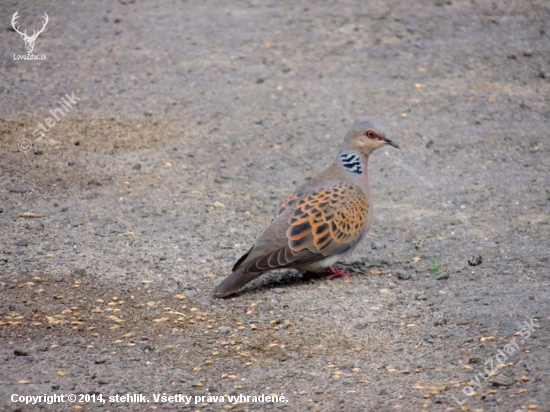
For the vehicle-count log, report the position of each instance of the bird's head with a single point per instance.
(367, 136)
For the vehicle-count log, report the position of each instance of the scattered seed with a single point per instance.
(29, 215)
(487, 338)
(525, 379)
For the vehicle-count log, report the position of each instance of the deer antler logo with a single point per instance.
(29, 40)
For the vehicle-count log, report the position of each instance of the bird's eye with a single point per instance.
(370, 134)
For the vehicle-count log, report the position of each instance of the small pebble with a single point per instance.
(218, 205)
(442, 276)
(403, 274)
(171, 286)
(475, 260)
(190, 293)
(22, 242)
(502, 381)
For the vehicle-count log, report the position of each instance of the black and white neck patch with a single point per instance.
(352, 162)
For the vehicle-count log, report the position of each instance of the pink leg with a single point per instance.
(332, 273)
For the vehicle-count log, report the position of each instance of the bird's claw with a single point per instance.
(332, 273)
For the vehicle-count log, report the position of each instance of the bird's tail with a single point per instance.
(234, 282)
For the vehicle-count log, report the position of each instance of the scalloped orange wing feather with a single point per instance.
(328, 219)
(324, 222)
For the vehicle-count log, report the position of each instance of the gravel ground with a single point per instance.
(194, 120)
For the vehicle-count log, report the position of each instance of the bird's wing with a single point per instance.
(310, 227)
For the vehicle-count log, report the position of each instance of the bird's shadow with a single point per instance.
(285, 278)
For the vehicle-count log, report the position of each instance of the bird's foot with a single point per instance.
(332, 273)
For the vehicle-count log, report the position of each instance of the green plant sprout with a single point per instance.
(437, 265)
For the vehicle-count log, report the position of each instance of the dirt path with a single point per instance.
(189, 122)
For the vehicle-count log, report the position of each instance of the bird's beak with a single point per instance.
(391, 143)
